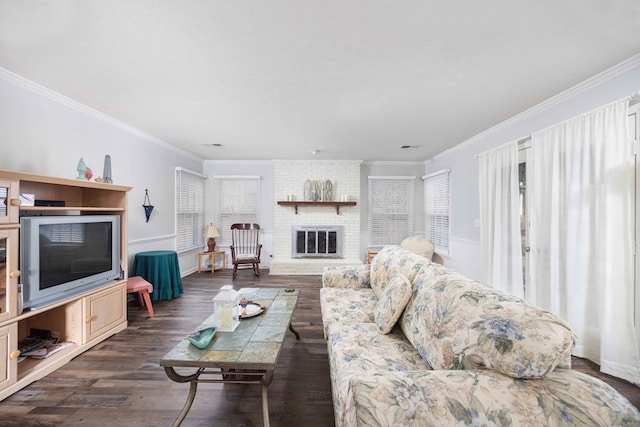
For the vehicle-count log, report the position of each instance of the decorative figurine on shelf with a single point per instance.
(225, 309)
(88, 173)
(81, 169)
(308, 189)
(244, 303)
(316, 194)
(106, 173)
(327, 191)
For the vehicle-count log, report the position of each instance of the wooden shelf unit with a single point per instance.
(295, 204)
(85, 319)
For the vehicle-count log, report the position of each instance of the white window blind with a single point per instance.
(189, 210)
(237, 202)
(436, 210)
(390, 209)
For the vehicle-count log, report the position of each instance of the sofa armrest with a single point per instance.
(348, 276)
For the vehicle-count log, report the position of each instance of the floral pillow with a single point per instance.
(457, 323)
(391, 303)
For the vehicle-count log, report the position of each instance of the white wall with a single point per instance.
(614, 84)
(45, 133)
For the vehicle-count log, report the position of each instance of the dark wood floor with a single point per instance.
(120, 383)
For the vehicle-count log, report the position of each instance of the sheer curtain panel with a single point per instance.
(582, 212)
(500, 219)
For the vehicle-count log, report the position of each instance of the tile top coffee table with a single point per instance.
(247, 355)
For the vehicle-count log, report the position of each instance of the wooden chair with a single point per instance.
(245, 247)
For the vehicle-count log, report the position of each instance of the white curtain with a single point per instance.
(500, 219)
(582, 213)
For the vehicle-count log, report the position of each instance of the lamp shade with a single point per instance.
(211, 231)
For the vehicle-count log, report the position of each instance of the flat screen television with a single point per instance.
(64, 256)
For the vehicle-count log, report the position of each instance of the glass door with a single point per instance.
(9, 273)
(9, 201)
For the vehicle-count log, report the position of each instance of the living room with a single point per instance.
(47, 129)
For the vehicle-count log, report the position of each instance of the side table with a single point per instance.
(211, 256)
(162, 270)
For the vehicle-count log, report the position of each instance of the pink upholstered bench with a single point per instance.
(143, 289)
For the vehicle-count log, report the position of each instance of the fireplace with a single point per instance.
(316, 241)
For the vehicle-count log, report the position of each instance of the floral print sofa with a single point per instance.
(413, 343)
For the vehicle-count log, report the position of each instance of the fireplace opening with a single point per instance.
(320, 241)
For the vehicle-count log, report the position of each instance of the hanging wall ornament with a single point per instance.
(148, 207)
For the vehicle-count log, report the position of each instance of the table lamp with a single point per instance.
(211, 232)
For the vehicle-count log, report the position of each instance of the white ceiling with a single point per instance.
(352, 79)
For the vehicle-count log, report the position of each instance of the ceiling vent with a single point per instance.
(212, 145)
(404, 147)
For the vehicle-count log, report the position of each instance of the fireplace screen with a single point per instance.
(316, 241)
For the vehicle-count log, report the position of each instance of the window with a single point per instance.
(436, 209)
(189, 209)
(237, 200)
(390, 209)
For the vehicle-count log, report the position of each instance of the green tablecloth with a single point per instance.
(161, 269)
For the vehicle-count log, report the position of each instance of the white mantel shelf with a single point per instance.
(295, 204)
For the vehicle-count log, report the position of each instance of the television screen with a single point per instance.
(70, 251)
(63, 256)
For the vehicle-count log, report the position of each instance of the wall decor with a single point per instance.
(327, 191)
(308, 189)
(146, 204)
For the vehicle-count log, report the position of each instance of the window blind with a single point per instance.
(189, 210)
(390, 209)
(237, 202)
(436, 210)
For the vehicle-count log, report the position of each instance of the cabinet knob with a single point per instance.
(15, 202)
(91, 319)
(14, 274)
(14, 354)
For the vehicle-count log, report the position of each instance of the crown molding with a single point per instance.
(587, 85)
(17, 80)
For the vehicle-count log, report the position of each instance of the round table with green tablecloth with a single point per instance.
(161, 269)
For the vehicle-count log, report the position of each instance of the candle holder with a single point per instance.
(225, 309)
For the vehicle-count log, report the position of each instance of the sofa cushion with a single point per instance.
(457, 323)
(343, 276)
(390, 261)
(340, 305)
(392, 302)
(418, 245)
(359, 349)
(448, 398)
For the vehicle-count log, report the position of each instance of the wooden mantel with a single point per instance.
(295, 204)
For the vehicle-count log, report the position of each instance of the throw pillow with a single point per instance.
(394, 298)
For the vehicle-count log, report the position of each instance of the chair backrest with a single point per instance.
(245, 238)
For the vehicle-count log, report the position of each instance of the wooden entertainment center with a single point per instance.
(85, 319)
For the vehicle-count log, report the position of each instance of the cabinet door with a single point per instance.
(105, 310)
(8, 355)
(9, 273)
(9, 201)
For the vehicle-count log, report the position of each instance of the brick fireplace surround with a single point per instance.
(289, 179)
